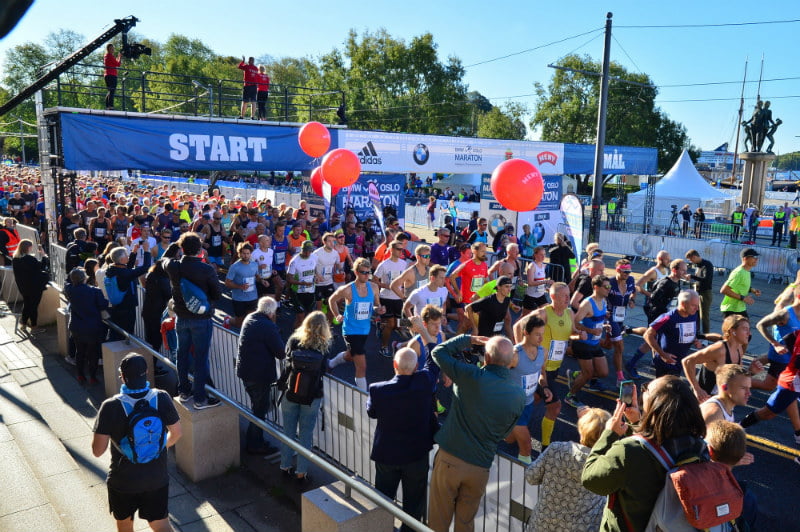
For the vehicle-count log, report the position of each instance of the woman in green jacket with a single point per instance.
(624, 470)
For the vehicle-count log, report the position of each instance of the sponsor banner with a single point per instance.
(402, 152)
(572, 216)
(579, 159)
(389, 187)
(93, 142)
(544, 224)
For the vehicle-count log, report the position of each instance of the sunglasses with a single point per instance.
(340, 237)
(364, 272)
(425, 256)
(607, 286)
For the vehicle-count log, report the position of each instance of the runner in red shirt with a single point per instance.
(250, 89)
(111, 62)
(473, 274)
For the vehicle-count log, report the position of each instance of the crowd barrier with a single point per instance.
(774, 263)
(230, 189)
(344, 433)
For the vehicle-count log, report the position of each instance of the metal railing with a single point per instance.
(148, 91)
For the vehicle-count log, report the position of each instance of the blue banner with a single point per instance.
(390, 189)
(579, 159)
(93, 142)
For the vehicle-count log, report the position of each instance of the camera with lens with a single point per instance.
(674, 208)
(135, 49)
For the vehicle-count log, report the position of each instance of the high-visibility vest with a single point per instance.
(611, 207)
(738, 218)
(794, 223)
(779, 216)
(13, 240)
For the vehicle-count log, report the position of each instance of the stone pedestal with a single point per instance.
(113, 353)
(51, 302)
(326, 509)
(210, 443)
(755, 177)
(63, 332)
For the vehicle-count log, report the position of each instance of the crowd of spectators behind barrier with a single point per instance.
(161, 236)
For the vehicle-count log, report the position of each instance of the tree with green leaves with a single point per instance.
(566, 111)
(506, 123)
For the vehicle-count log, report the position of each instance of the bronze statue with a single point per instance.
(772, 132)
(760, 127)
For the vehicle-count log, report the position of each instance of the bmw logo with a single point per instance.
(421, 154)
(539, 232)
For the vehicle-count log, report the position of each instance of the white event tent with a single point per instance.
(681, 185)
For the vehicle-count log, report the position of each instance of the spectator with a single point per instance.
(485, 407)
(260, 346)
(561, 254)
(406, 424)
(625, 470)
(31, 281)
(193, 330)
(123, 272)
(263, 92)
(86, 305)
(157, 293)
(250, 89)
(132, 487)
(686, 215)
(9, 240)
(612, 212)
(699, 219)
(557, 471)
(111, 64)
(703, 277)
(528, 242)
(314, 334)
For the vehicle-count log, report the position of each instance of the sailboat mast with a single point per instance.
(739, 124)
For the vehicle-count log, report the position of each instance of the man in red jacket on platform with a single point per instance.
(250, 89)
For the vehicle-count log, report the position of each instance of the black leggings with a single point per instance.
(111, 85)
(30, 307)
(261, 100)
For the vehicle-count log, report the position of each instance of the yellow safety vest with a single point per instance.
(779, 216)
(738, 218)
(612, 207)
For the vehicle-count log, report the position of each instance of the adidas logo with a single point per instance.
(368, 155)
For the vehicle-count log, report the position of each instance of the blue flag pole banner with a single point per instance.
(389, 193)
(377, 206)
(572, 213)
(326, 198)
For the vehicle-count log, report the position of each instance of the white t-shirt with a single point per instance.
(303, 270)
(387, 272)
(264, 261)
(326, 263)
(423, 296)
(140, 253)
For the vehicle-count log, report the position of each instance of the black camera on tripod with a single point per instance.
(674, 209)
(135, 49)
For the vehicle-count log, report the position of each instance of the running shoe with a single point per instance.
(596, 385)
(797, 439)
(440, 408)
(631, 369)
(211, 402)
(571, 376)
(572, 401)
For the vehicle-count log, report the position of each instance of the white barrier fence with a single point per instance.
(780, 263)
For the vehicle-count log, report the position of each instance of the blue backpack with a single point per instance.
(115, 295)
(145, 438)
(196, 300)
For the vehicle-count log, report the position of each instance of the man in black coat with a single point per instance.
(260, 346)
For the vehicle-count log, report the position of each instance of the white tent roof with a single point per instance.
(683, 181)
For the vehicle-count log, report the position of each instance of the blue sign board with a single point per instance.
(579, 159)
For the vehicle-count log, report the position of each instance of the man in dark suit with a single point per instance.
(404, 408)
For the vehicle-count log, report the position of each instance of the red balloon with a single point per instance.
(517, 185)
(340, 168)
(314, 139)
(316, 183)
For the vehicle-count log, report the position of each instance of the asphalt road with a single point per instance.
(774, 477)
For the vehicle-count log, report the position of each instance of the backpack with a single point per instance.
(73, 255)
(697, 495)
(145, 437)
(115, 294)
(302, 377)
(196, 300)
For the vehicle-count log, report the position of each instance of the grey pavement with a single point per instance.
(51, 480)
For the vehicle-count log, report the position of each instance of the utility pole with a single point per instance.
(597, 189)
(22, 140)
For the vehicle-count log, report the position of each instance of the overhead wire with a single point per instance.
(565, 39)
(719, 25)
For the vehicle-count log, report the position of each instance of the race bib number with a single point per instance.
(796, 383)
(435, 301)
(351, 248)
(251, 282)
(530, 383)
(280, 257)
(476, 284)
(393, 275)
(557, 350)
(326, 271)
(619, 314)
(100, 231)
(216, 240)
(687, 332)
(307, 276)
(498, 326)
(363, 310)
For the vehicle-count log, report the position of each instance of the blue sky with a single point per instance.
(479, 31)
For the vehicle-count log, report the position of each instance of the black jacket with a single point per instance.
(198, 272)
(29, 275)
(126, 278)
(157, 291)
(85, 305)
(260, 344)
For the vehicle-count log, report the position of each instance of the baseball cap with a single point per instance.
(503, 279)
(134, 371)
(749, 252)
(308, 244)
